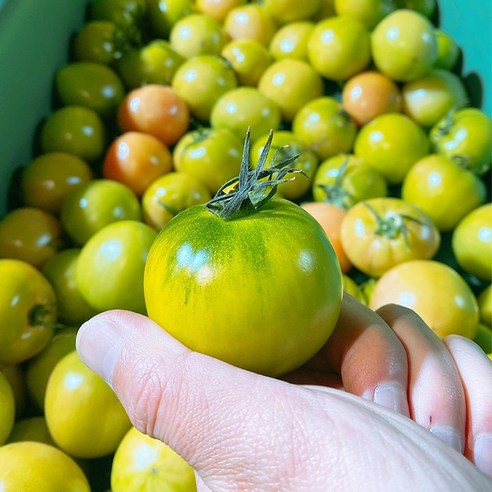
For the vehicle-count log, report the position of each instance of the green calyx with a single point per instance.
(250, 190)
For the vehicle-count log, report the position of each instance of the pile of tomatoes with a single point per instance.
(149, 119)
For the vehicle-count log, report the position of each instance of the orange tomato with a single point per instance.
(136, 159)
(330, 217)
(157, 110)
(369, 94)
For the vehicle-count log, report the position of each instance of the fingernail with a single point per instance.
(482, 453)
(450, 436)
(392, 396)
(99, 345)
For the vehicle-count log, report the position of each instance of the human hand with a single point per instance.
(242, 431)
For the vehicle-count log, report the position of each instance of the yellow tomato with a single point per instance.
(433, 290)
(31, 429)
(284, 11)
(485, 305)
(142, 463)
(290, 41)
(84, 416)
(39, 467)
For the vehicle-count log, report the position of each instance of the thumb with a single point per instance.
(208, 411)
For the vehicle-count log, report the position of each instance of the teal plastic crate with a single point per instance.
(34, 39)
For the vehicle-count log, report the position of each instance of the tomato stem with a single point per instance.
(250, 190)
(39, 315)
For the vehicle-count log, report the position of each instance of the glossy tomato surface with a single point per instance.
(261, 291)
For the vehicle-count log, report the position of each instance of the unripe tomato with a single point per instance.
(197, 34)
(369, 12)
(201, 80)
(485, 305)
(249, 59)
(96, 204)
(76, 130)
(93, 85)
(49, 178)
(345, 180)
(472, 242)
(155, 109)
(404, 45)
(391, 143)
(436, 292)
(27, 310)
(169, 195)
(136, 159)
(40, 467)
(465, 136)
(448, 50)
(285, 11)
(31, 429)
(428, 99)
(144, 463)
(7, 409)
(212, 156)
(379, 233)
(325, 127)
(217, 9)
(124, 13)
(290, 41)
(339, 47)
(290, 83)
(163, 15)
(288, 284)
(250, 21)
(154, 63)
(243, 108)
(424, 7)
(31, 235)
(370, 94)
(84, 416)
(115, 256)
(443, 190)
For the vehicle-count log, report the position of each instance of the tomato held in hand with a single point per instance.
(380, 233)
(27, 311)
(259, 288)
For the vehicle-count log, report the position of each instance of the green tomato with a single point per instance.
(110, 267)
(443, 190)
(143, 463)
(290, 83)
(39, 368)
(154, 63)
(448, 50)
(430, 98)
(201, 80)
(339, 47)
(465, 136)
(259, 289)
(391, 143)
(96, 204)
(245, 107)
(290, 41)
(286, 145)
(325, 127)
(369, 12)
(76, 130)
(91, 85)
(60, 271)
(7, 409)
(31, 429)
(345, 180)
(211, 156)
(286, 11)
(128, 14)
(197, 34)
(163, 14)
(485, 306)
(472, 242)
(404, 45)
(27, 310)
(84, 416)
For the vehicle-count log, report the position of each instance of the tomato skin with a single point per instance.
(163, 14)
(391, 143)
(465, 136)
(380, 233)
(290, 40)
(50, 177)
(434, 291)
(472, 242)
(136, 159)
(404, 45)
(31, 235)
(27, 309)
(286, 290)
(213, 156)
(443, 190)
